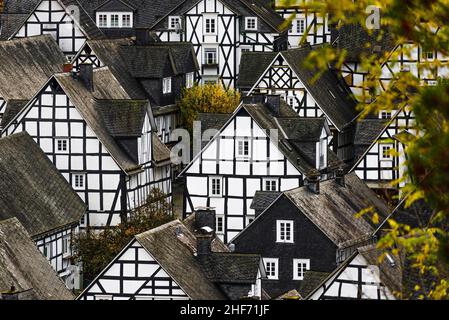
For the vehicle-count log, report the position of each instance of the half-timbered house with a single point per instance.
(220, 30)
(24, 273)
(101, 141)
(147, 69)
(366, 275)
(45, 204)
(179, 261)
(308, 231)
(264, 145)
(307, 24)
(284, 73)
(25, 66)
(65, 20)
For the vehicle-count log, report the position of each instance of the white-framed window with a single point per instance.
(300, 266)
(250, 23)
(270, 184)
(242, 148)
(114, 20)
(166, 85)
(102, 20)
(210, 55)
(300, 26)
(174, 22)
(48, 250)
(323, 153)
(210, 25)
(284, 231)
(126, 20)
(271, 268)
(78, 180)
(62, 145)
(220, 229)
(428, 55)
(66, 245)
(385, 151)
(215, 186)
(190, 79)
(385, 115)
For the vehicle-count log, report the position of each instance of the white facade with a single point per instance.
(86, 163)
(134, 274)
(222, 38)
(218, 177)
(50, 17)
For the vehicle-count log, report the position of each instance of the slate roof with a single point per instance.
(231, 267)
(26, 64)
(176, 256)
(334, 209)
(86, 102)
(12, 109)
(23, 265)
(33, 190)
(252, 67)
(9, 23)
(213, 120)
(330, 92)
(357, 41)
(271, 21)
(161, 154)
(263, 199)
(311, 280)
(125, 61)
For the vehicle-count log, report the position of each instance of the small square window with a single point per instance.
(385, 115)
(270, 184)
(62, 145)
(284, 232)
(385, 151)
(166, 85)
(251, 23)
(215, 188)
(102, 20)
(78, 180)
(300, 266)
(174, 23)
(271, 268)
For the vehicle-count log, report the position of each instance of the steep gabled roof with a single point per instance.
(23, 266)
(33, 190)
(115, 6)
(83, 20)
(12, 109)
(330, 92)
(26, 64)
(334, 209)
(175, 254)
(10, 23)
(263, 199)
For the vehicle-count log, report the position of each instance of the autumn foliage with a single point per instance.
(208, 98)
(97, 249)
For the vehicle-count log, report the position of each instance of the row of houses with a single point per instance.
(90, 90)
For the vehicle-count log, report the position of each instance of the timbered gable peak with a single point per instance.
(369, 273)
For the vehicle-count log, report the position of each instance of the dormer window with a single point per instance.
(251, 23)
(284, 231)
(115, 19)
(174, 22)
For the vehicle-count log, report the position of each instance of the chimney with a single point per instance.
(340, 177)
(205, 217)
(204, 244)
(313, 184)
(273, 102)
(67, 67)
(86, 75)
(143, 36)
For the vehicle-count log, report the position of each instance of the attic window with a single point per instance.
(385, 151)
(115, 19)
(284, 232)
(174, 22)
(251, 23)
